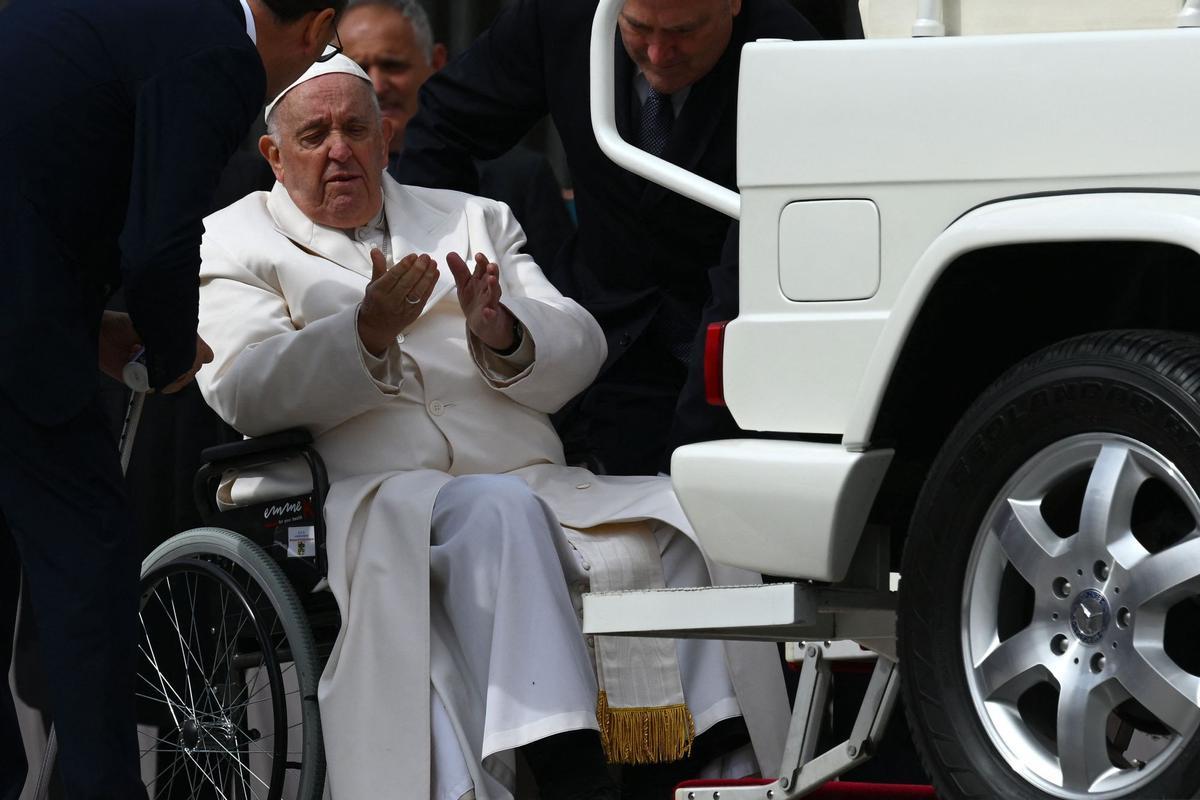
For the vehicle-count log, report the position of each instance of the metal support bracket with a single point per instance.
(800, 771)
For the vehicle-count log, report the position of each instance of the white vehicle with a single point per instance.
(970, 292)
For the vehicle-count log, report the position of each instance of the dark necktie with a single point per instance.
(654, 128)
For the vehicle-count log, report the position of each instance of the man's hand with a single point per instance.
(118, 343)
(394, 299)
(204, 355)
(479, 296)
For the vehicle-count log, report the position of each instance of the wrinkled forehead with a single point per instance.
(334, 97)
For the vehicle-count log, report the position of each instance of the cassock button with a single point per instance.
(437, 408)
(626, 339)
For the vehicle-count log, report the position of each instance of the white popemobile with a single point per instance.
(970, 294)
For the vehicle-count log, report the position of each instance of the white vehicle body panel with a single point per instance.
(782, 508)
(936, 128)
(1132, 216)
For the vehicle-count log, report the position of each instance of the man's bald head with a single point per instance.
(675, 43)
(327, 145)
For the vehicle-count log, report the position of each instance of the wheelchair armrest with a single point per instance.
(288, 442)
(256, 452)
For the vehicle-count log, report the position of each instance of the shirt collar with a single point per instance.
(641, 86)
(375, 230)
(251, 31)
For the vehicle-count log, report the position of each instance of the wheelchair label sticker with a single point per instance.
(302, 542)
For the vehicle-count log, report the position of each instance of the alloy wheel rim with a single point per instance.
(1079, 640)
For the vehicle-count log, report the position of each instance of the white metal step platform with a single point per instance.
(764, 612)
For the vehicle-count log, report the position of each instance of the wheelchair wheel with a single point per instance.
(228, 672)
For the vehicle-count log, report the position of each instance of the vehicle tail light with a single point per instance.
(714, 347)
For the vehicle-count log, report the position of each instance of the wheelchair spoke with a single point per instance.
(187, 671)
(162, 681)
(230, 643)
(208, 776)
(242, 765)
(174, 620)
(177, 766)
(184, 649)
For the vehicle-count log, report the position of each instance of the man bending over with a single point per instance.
(458, 541)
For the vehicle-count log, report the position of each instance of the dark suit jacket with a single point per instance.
(119, 117)
(638, 247)
(524, 181)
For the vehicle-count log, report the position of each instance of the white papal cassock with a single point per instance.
(278, 304)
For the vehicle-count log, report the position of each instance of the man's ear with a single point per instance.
(389, 129)
(439, 57)
(318, 33)
(735, 7)
(270, 151)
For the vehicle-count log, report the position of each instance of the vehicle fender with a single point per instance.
(1164, 217)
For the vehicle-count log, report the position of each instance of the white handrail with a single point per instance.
(930, 19)
(624, 154)
(1189, 17)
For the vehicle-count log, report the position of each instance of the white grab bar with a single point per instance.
(624, 154)
(930, 19)
(1189, 17)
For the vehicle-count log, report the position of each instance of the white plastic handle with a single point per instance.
(624, 154)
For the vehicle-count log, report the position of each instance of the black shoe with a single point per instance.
(658, 781)
(571, 766)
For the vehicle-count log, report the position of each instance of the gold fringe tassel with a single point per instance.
(649, 735)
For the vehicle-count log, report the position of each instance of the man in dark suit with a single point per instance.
(393, 41)
(640, 259)
(118, 118)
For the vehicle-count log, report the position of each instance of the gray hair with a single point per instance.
(416, 14)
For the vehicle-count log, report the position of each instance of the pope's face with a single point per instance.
(677, 42)
(383, 42)
(331, 150)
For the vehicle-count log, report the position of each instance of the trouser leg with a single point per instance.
(495, 571)
(498, 577)
(12, 752)
(61, 494)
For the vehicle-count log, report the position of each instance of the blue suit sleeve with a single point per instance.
(189, 120)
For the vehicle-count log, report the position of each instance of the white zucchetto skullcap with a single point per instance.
(338, 63)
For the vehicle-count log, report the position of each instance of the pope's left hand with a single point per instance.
(479, 296)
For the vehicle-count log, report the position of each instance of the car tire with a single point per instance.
(1049, 616)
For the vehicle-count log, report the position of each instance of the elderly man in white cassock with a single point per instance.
(458, 540)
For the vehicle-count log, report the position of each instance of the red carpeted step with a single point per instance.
(834, 790)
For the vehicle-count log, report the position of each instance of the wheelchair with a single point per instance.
(235, 632)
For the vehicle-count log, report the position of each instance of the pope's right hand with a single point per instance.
(394, 299)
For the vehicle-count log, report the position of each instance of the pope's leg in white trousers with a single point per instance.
(497, 576)
(500, 568)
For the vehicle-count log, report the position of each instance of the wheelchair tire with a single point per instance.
(226, 651)
(1049, 619)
